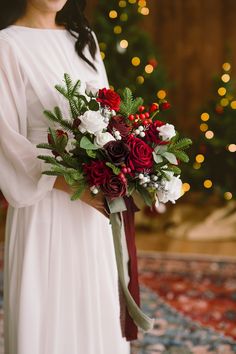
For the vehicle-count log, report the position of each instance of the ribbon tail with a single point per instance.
(139, 317)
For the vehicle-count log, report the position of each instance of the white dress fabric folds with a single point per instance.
(60, 277)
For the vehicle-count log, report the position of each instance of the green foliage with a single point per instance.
(86, 144)
(129, 105)
(115, 169)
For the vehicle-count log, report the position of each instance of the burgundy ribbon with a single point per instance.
(130, 329)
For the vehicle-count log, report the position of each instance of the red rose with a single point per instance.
(114, 187)
(140, 156)
(152, 134)
(97, 172)
(118, 123)
(117, 151)
(109, 98)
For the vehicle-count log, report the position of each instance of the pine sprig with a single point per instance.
(129, 105)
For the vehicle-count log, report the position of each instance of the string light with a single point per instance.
(144, 11)
(132, 1)
(233, 104)
(149, 69)
(117, 29)
(135, 61)
(207, 183)
(196, 165)
(200, 158)
(225, 77)
(161, 94)
(228, 195)
(140, 80)
(222, 91)
(103, 55)
(205, 117)
(124, 17)
(122, 3)
(203, 127)
(209, 134)
(226, 66)
(113, 14)
(232, 148)
(224, 102)
(142, 3)
(124, 43)
(186, 187)
(102, 46)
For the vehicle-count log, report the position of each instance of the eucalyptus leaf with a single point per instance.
(171, 158)
(86, 144)
(157, 158)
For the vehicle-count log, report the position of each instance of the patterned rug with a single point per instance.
(193, 300)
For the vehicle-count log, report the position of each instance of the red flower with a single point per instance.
(118, 123)
(152, 134)
(97, 172)
(140, 156)
(117, 151)
(61, 141)
(109, 98)
(114, 187)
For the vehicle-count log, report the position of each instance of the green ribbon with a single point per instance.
(139, 317)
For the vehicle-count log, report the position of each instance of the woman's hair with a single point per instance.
(71, 16)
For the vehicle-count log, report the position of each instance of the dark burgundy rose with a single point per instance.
(117, 151)
(97, 172)
(109, 98)
(118, 123)
(152, 134)
(114, 187)
(140, 156)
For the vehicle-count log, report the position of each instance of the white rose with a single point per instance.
(167, 131)
(171, 192)
(92, 122)
(91, 88)
(103, 138)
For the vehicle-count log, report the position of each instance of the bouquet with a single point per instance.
(115, 145)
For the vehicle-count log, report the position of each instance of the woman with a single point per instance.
(60, 278)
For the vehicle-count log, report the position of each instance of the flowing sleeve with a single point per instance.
(21, 179)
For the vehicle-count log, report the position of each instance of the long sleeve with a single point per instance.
(21, 179)
(100, 64)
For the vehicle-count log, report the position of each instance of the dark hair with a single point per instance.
(71, 16)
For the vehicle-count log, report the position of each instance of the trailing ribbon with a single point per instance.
(116, 207)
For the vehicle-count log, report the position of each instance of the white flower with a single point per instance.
(92, 122)
(71, 144)
(103, 138)
(166, 131)
(91, 88)
(171, 191)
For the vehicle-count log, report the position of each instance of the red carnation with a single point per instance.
(97, 172)
(109, 98)
(118, 123)
(140, 156)
(114, 187)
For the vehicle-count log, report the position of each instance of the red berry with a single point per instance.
(141, 108)
(142, 116)
(164, 106)
(150, 121)
(154, 107)
(124, 169)
(137, 116)
(147, 114)
(131, 117)
(145, 122)
(128, 169)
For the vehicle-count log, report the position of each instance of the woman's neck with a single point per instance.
(38, 19)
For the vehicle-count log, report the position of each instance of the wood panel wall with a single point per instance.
(194, 38)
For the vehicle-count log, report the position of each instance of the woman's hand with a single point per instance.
(97, 202)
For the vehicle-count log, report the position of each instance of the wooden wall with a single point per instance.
(194, 37)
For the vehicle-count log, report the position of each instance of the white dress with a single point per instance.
(60, 277)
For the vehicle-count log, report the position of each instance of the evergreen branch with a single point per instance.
(181, 155)
(44, 146)
(182, 144)
(49, 159)
(76, 87)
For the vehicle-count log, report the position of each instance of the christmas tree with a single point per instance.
(129, 55)
(214, 160)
